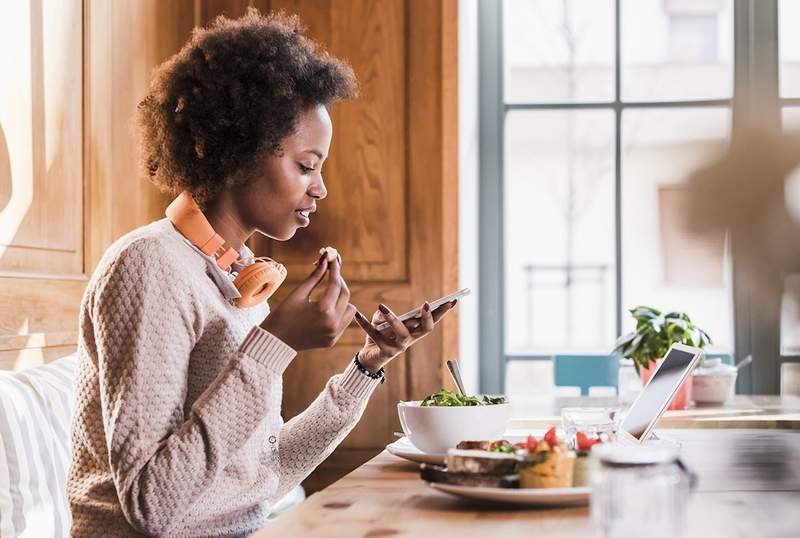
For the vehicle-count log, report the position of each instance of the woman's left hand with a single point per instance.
(382, 346)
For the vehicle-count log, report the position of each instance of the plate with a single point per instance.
(402, 448)
(544, 497)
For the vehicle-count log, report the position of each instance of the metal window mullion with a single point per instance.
(756, 316)
(620, 104)
(491, 292)
(618, 167)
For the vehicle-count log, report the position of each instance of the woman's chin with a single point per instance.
(281, 235)
(288, 234)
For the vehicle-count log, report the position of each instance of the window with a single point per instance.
(789, 75)
(602, 109)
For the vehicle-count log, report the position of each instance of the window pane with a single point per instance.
(788, 13)
(791, 118)
(662, 265)
(558, 50)
(790, 307)
(676, 49)
(559, 230)
(790, 316)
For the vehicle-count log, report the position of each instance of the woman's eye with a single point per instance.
(305, 169)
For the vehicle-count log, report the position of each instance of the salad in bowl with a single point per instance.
(442, 419)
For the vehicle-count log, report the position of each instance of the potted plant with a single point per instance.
(655, 333)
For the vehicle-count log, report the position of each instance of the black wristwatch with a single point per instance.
(380, 374)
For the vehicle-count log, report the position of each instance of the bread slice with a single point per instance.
(480, 462)
(440, 475)
(474, 445)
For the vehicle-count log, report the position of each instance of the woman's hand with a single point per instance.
(303, 324)
(382, 346)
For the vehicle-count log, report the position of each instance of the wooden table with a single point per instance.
(760, 412)
(385, 498)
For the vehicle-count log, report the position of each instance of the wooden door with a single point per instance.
(391, 209)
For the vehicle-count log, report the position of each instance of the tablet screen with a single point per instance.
(653, 396)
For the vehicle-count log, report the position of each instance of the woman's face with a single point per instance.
(283, 196)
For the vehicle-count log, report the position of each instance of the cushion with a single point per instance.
(35, 411)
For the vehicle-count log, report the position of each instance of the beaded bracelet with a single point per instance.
(380, 374)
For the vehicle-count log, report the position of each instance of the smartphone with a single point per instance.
(417, 313)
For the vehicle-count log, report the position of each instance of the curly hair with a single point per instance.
(233, 92)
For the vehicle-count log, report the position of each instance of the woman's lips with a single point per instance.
(304, 216)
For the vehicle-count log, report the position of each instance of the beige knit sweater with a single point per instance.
(177, 428)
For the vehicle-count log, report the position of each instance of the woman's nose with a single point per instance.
(317, 189)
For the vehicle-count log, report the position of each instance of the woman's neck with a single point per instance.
(224, 218)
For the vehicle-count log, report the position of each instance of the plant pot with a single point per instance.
(682, 398)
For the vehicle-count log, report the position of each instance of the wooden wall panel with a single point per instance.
(391, 176)
(40, 138)
(125, 42)
(365, 214)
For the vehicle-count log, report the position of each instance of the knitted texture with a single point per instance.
(177, 428)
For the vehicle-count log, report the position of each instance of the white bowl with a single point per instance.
(435, 429)
(714, 382)
(713, 389)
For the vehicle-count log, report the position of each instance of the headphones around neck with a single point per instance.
(256, 282)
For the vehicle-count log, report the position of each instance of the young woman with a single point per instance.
(177, 428)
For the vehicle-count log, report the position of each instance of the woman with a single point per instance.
(177, 428)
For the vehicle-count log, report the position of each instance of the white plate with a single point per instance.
(402, 448)
(524, 496)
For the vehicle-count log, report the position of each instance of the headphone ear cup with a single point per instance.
(258, 281)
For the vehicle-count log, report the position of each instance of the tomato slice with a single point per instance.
(584, 443)
(550, 437)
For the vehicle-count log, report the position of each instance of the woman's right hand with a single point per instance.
(303, 324)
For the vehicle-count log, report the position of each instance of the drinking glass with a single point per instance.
(594, 422)
(639, 490)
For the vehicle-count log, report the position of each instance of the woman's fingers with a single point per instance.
(347, 317)
(312, 281)
(442, 310)
(400, 331)
(427, 321)
(368, 327)
(344, 295)
(331, 295)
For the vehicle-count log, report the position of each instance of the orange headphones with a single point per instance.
(255, 283)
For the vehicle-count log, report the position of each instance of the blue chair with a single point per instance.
(727, 358)
(586, 371)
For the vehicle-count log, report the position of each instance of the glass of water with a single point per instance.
(639, 490)
(595, 422)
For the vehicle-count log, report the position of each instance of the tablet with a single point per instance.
(677, 365)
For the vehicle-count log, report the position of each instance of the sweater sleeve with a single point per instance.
(310, 437)
(161, 461)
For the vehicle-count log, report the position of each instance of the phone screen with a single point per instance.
(653, 396)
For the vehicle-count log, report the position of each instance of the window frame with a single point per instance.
(755, 77)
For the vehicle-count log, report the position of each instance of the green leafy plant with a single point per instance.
(655, 332)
